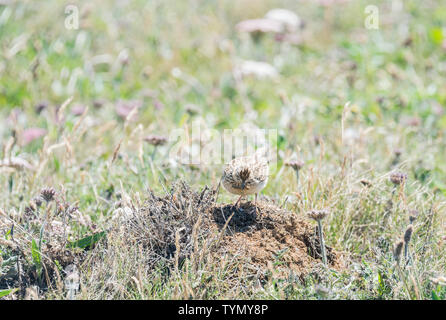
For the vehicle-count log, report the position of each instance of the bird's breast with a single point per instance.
(250, 187)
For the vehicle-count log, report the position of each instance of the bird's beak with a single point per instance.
(243, 184)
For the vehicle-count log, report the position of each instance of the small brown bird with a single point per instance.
(246, 175)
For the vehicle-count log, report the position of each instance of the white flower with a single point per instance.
(289, 19)
(260, 25)
(256, 68)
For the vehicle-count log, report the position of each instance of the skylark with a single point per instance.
(246, 175)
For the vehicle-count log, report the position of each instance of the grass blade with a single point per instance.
(87, 241)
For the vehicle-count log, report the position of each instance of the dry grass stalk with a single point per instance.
(318, 216)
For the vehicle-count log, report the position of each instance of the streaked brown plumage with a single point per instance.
(246, 175)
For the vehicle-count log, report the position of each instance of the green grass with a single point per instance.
(346, 98)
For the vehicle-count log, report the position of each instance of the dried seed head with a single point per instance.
(317, 139)
(408, 234)
(156, 140)
(48, 194)
(398, 152)
(318, 214)
(28, 211)
(41, 106)
(37, 201)
(192, 110)
(408, 42)
(71, 210)
(398, 178)
(397, 251)
(413, 215)
(366, 183)
(295, 164)
(98, 103)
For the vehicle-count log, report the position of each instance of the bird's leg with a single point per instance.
(240, 198)
(255, 204)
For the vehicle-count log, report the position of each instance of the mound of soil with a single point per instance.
(258, 239)
(270, 237)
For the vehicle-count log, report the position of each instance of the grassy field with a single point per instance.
(95, 203)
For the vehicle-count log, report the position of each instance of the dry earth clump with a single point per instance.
(201, 228)
(273, 239)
